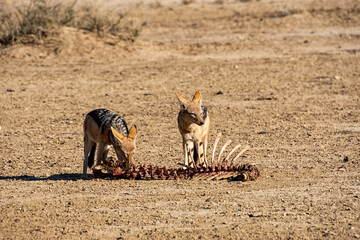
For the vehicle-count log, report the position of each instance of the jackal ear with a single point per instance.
(132, 132)
(182, 101)
(197, 97)
(117, 135)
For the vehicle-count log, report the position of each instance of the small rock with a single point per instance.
(337, 77)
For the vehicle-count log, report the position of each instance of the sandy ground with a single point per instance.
(281, 76)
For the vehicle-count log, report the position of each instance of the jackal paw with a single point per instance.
(86, 176)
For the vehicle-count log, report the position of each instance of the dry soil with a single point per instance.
(280, 76)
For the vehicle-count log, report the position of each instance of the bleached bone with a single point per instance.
(231, 152)
(221, 152)
(214, 150)
(239, 154)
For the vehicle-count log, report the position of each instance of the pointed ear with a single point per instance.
(117, 135)
(132, 132)
(197, 97)
(182, 101)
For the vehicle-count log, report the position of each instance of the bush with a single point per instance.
(41, 19)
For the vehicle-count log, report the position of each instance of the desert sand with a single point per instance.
(280, 76)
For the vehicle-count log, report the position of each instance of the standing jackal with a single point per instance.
(194, 126)
(105, 128)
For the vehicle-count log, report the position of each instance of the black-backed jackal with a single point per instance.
(194, 126)
(104, 128)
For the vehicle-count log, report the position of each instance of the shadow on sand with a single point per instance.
(55, 177)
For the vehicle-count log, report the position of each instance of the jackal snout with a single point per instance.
(125, 146)
(192, 112)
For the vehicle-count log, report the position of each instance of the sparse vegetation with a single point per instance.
(282, 13)
(103, 22)
(34, 22)
(40, 19)
(187, 2)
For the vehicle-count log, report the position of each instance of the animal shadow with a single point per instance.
(55, 177)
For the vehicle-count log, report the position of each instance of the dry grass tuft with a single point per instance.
(92, 18)
(187, 2)
(41, 19)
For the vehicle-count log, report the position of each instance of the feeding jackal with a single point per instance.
(194, 126)
(105, 128)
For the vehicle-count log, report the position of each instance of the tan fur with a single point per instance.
(104, 137)
(193, 128)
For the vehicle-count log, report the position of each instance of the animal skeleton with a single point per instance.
(216, 169)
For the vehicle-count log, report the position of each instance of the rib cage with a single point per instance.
(223, 168)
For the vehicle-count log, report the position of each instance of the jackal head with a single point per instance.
(192, 112)
(125, 145)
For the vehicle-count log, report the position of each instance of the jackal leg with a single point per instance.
(102, 152)
(106, 151)
(189, 147)
(192, 159)
(89, 151)
(200, 154)
(205, 142)
(186, 155)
